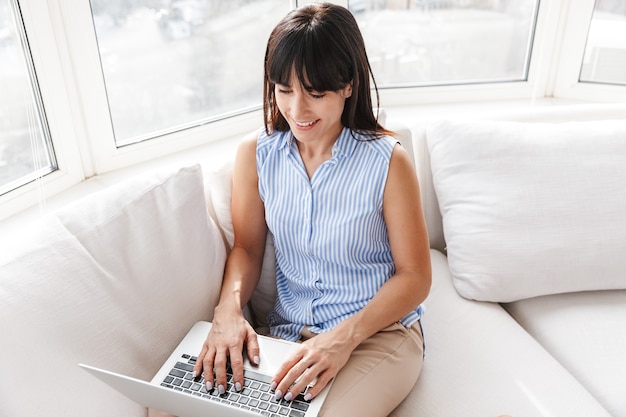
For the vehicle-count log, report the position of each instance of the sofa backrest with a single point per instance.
(552, 114)
(114, 280)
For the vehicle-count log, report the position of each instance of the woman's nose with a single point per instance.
(299, 104)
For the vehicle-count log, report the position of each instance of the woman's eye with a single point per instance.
(317, 95)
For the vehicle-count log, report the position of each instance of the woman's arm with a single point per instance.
(408, 236)
(324, 355)
(230, 330)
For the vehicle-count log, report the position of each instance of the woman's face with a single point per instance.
(311, 115)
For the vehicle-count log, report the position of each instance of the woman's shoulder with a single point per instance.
(382, 144)
(270, 142)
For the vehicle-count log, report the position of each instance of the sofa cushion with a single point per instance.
(219, 186)
(115, 281)
(531, 209)
(585, 332)
(480, 363)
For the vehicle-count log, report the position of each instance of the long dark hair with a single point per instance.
(323, 43)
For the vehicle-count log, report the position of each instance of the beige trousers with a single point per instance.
(379, 374)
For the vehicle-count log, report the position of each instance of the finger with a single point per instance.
(300, 384)
(281, 373)
(293, 376)
(219, 366)
(252, 346)
(322, 381)
(197, 368)
(207, 366)
(236, 364)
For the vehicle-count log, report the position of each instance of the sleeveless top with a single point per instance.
(332, 245)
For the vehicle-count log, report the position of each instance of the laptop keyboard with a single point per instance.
(255, 396)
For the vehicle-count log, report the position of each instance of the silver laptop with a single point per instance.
(174, 391)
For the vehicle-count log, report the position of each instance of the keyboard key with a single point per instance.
(178, 373)
(299, 405)
(296, 413)
(184, 366)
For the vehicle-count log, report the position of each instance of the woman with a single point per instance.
(341, 201)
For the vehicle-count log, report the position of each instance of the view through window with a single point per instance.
(434, 42)
(605, 52)
(25, 150)
(172, 64)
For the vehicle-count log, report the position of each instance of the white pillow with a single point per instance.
(219, 184)
(531, 208)
(114, 281)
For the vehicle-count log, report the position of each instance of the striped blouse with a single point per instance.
(331, 241)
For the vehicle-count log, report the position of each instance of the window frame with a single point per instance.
(567, 84)
(59, 112)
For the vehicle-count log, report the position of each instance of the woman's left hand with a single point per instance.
(320, 357)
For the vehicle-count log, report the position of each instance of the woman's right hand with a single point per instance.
(230, 331)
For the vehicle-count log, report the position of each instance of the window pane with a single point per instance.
(428, 42)
(173, 64)
(25, 150)
(605, 53)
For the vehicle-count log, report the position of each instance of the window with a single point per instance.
(605, 52)
(25, 149)
(435, 42)
(170, 67)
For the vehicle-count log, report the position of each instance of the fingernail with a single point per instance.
(308, 397)
(288, 396)
(278, 395)
(193, 375)
(273, 385)
(220, 389)
(237, 386)
(257, 360)
(209, 386)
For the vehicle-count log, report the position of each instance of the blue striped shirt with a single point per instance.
(332, 247)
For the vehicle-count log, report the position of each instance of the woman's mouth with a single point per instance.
(305, 125)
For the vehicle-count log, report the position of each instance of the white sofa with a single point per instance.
(525, 317)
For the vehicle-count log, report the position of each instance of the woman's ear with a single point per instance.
(347, 90)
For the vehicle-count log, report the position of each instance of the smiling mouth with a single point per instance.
(305, 124)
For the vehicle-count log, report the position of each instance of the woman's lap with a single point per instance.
(379, 374)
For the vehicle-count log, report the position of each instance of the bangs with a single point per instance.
(318, 63)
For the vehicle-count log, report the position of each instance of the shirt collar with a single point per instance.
(345, 144)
